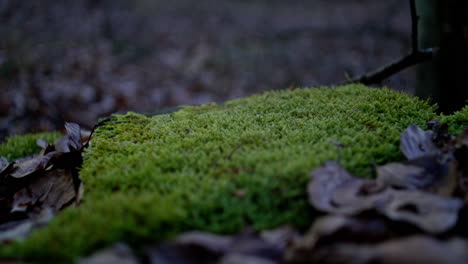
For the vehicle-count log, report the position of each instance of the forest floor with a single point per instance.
(80, 60)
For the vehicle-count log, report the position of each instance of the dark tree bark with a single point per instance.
(444, 24)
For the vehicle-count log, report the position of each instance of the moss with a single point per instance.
(24, 145)
(148, 178)
(457, 121)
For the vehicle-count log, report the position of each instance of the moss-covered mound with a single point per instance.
(222, 167)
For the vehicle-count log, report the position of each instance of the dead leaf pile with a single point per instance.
(34, 189)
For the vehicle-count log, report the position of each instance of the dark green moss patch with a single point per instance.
(148, 178)
(25, 145)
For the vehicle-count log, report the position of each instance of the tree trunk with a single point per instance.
(444, 24)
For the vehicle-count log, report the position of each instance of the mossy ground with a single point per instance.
(25, 145)
(222, 167)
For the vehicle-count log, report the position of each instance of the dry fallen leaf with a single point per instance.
(333, 190)
(416, 142)
(427, 173)
(34, 189)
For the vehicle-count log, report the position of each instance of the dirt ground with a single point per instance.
(78, 60)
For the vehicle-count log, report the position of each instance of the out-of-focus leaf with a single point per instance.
(415, 249)
(329, 230)
(41, 142)
(432, 213)
(244, 259)
(71, 141)
(27, 167)
(200, 247)
(334, 190)
(46, 147)
(416, 143)
(461, 156)
(3, 163)
(426, 173)
(117, 254)
(19, 229)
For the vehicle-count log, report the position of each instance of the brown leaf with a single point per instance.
(32, 165)
(334, 190)
(416, 142)
(36, 188)
(54, 190)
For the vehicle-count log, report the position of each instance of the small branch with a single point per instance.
(415, 57)
(383, 73)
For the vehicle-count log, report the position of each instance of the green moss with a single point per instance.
(148, 178)
(457, 121)
(24, 145)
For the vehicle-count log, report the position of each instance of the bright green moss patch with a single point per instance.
(24, 145)
(222, 167)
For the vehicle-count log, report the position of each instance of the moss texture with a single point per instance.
(457, 121)
(24, 145)
(222, 167)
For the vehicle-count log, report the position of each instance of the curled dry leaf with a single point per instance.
(432, 213)
(332, 189)
(71, 141)
(416, 142)
(427, 173)
(32, 165)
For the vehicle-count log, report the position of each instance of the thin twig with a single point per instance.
(386, 71)
(416, 56)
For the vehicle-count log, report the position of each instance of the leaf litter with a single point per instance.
(414, 211)
(34, 189)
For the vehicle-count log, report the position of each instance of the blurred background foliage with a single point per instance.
(78, 60)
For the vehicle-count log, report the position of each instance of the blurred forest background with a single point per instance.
(78, 60)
